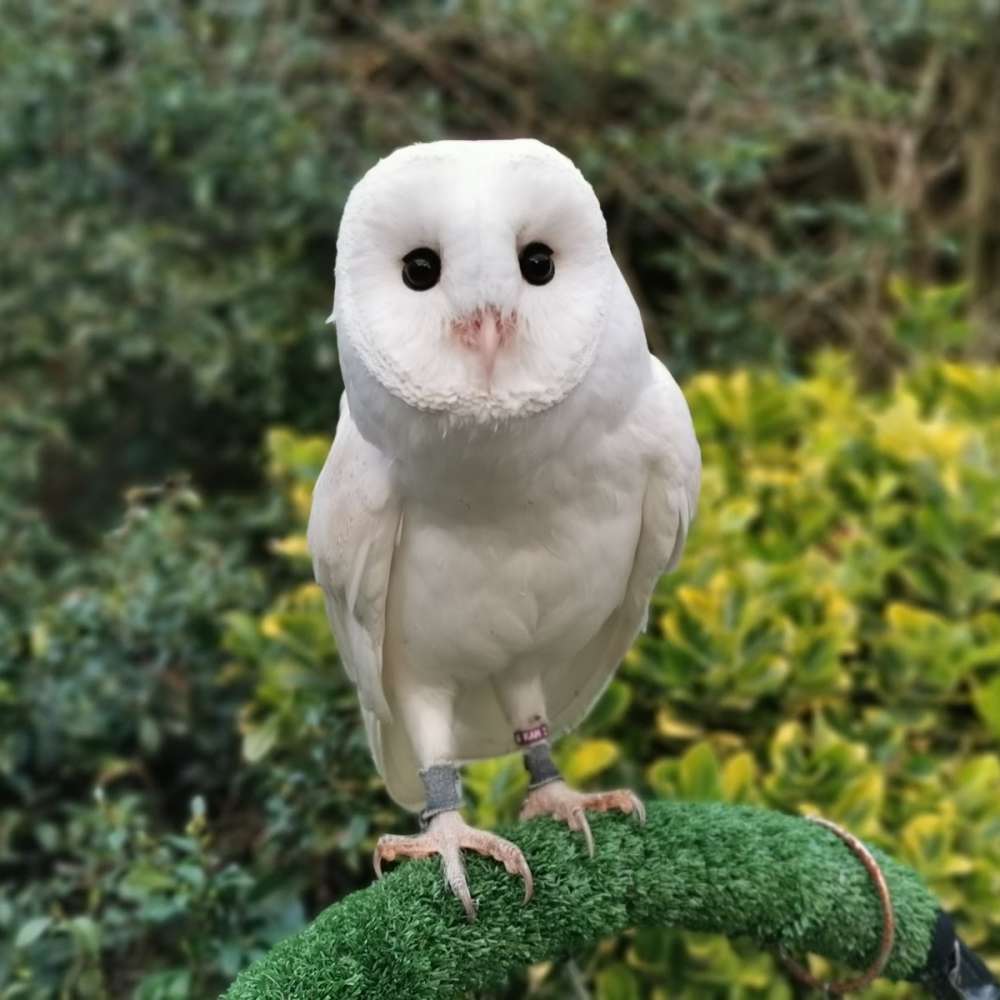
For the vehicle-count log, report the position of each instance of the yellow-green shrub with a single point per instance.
(830, 643)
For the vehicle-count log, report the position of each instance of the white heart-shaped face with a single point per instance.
(483, 343)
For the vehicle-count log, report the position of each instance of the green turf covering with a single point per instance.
(736, 870)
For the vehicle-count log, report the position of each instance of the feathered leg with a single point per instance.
(549, 795)
(426, 714)
(523, 700)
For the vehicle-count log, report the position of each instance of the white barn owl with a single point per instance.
(512, 472)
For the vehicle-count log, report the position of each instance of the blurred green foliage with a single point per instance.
(182, 774)
(775, 175)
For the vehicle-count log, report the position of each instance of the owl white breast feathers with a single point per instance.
(512, 472)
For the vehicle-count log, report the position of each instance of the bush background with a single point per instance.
(804, 200)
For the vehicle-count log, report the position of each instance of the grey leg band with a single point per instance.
(541, 767)
(443, 791)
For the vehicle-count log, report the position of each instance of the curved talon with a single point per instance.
(558, 800)
(579, 822)
(389, 845)
(381, 851)
(639, 809)
(521, 868)
(448, 835)
(454, 874)
(508, 854)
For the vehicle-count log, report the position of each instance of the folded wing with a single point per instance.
(668, 508)
(353, 529)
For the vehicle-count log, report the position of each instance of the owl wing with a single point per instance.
(665, 433)
(668, 508)
(353, 529)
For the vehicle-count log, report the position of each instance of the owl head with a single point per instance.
(472, 279)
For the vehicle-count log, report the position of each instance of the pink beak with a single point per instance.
(489, 341)
(484, 332)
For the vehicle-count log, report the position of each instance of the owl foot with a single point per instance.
(558, 800)
(448, 834)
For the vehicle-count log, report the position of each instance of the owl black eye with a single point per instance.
(421, 269)
(536, 263)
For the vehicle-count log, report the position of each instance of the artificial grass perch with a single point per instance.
(740, 871)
